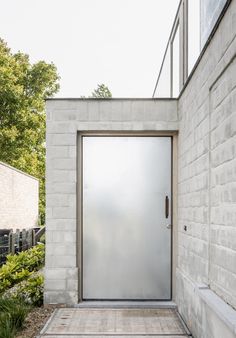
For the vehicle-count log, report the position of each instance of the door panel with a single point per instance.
(126, 242)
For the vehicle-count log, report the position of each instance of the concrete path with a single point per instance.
(114, 323)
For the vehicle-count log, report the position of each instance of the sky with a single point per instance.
(120, 43)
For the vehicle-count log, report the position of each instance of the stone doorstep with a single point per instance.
(126, 304)
(109, 336)
(74, 322)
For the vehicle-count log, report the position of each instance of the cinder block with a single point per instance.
(64, 115)
(138, 112)
(65, 261)
(64, 163)
(126, 111)
(64, 237)
(93, 110)
(61, 225)
(55, 284)
(55, 127)
(57, 297)
(55, 200)
(116, 110)
(72, 285)
(73, 152)
(57, 152)
(60, 249)
(55, 273)
(72, 273)
(64, 139)
(105, 110)
(61, 176)
(58, 187)
(82, 111)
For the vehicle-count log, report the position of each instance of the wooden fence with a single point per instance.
(20, 240)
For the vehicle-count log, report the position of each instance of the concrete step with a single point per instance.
(127, 304)
(115, 322)
(109, 336)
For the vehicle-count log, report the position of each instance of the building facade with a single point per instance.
(189, 138)
(19, 197)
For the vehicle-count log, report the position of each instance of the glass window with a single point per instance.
(196, 19)
(163, 87)
(210, 11)
(193, 33)
(175, 64)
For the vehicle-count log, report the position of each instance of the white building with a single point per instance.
(141, 193)
(19, 198)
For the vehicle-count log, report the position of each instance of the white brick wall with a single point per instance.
(64, 119)
(207, 178)
(18, 199)
(222, 273)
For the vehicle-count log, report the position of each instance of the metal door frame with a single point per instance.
(79, 195)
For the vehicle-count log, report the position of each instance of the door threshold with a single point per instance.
(127, 304)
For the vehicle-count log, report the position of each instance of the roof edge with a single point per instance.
(111, 99)
(18, 170)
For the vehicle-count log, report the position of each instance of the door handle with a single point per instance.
(167, 206)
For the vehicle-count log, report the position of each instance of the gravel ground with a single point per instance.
(35, 321)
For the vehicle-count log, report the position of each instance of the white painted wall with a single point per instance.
(18, 199)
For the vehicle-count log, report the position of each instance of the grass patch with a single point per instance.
(21, 286)
(12, 317)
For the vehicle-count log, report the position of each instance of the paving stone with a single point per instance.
(69, 322)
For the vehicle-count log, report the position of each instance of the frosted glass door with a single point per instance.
(126, 232)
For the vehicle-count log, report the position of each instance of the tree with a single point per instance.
(102, 91)
(23, 90)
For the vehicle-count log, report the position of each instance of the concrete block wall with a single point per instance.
(205, 274)
(207, 180)
(64, 119)
(18, 199)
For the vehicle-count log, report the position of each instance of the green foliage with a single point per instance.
(6, 329)
(31, 291)
(12, 316)
(102, 91)
(23, 90)
(31, 259)
(16, 311)
(20, 266)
